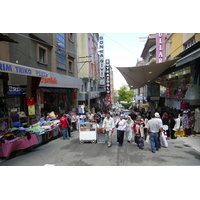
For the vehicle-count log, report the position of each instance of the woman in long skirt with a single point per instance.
(138, 128)
(121, 127)
(129, 129)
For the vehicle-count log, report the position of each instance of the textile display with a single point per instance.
(179, 132)
(7, 148)
(197, 120)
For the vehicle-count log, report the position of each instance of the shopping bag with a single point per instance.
(163, 141)
(147, 139)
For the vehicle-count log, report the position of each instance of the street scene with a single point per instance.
(61, 152)
(65, 100)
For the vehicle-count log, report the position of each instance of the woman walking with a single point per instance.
(121, 127)
(138, 128)
(129, 130)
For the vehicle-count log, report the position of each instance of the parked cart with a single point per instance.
(87, 132)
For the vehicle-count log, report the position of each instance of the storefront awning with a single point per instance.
(139, 76)
(61, 81)
(13, 68)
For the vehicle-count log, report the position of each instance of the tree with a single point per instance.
(125, 94)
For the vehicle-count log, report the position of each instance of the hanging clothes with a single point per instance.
(197, 120)
(185, 119)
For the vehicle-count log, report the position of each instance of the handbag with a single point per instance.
(117, 125)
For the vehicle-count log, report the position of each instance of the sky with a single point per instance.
(123, 50)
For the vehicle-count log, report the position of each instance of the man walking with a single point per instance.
(108, 126)
(64, 127)
(153, 129)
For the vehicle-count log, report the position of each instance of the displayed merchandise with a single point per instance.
(197, 120)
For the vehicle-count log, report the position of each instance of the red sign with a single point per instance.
(109, 98)
(49, 80)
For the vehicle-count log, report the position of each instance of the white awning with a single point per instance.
(139, 76)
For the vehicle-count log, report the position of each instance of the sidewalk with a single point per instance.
(192, 141)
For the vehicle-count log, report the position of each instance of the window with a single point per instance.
(189, 43)
(61, 51)
(41, 54)
(71, 37)
(70, 66)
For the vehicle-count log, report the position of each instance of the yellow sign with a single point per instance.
(31, 110)
(145, 106)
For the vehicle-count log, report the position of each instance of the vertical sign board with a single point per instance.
(107, 75)
(160, 47)
(101, 60)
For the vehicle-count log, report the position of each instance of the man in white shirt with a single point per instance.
(108, 126)
(154, 128)
(121, 123)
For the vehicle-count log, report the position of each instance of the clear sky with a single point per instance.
(123, 50)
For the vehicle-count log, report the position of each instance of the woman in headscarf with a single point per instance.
(165, 120)
(138, 128)
(129, 130)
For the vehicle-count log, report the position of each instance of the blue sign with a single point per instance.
(16, 90)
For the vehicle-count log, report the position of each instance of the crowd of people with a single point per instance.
(136, 127)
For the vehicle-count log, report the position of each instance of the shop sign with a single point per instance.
(31, 110)
(49, 80)
(107, 75)
(160, 47)
(16, 90)
(167, 92)
(101, 60)
(109, 98)
(21, 70)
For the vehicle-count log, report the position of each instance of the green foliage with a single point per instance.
(125, 94)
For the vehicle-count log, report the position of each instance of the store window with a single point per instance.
(61, 51)
(41, 54)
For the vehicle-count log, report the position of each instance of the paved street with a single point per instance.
(61, 152)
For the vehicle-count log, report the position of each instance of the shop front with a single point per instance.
(182, 98)
(58, 93)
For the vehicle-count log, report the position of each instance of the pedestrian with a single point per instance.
(171, 125)
(74, 121)
(165, 120)
(153, 129)
(90, 116)
(64, 127)
(121, 127)
(138, 128)
(108, 126)
(70, 124)
(133, 115)
(129, 130)
(157, 116)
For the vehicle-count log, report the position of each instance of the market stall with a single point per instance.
(15, 139)
(87, 132)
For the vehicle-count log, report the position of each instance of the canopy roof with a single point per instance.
(139, 76)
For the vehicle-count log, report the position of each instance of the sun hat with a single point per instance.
(157, 115)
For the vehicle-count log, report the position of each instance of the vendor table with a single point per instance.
(8, 147)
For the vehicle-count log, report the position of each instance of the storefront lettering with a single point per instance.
(23, 70)
(41, 73)
(5, 67)
(160, 42)
(49, 80)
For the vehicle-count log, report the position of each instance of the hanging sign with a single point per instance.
(160, 47)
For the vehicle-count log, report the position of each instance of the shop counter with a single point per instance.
(17, 144)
